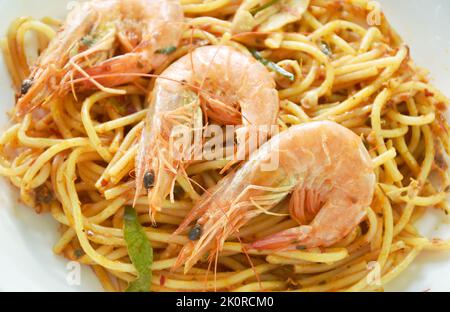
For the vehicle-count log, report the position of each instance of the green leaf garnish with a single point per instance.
(78, 253)
(263, 7)
(273, 66)
(167, 50)
(139, 249)
(88, 40)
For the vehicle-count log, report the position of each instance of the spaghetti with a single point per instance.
(345, 70)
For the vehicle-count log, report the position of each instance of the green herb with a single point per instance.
(139, 249)
(88, 41)
(273, 66)
(262, 7)
(167, 50)
(74, 51)
(78, 253)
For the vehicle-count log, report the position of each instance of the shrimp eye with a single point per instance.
(26, 85)
(195, 232)
(149, 179)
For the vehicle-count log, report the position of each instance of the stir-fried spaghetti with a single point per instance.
(74, 156)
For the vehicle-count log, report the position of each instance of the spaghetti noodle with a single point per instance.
(345, 70)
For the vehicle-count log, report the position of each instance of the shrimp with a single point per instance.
(85, 47)
(323, 166)
(216, 83)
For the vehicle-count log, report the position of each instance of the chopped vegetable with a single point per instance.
(167, 50)
(290, 11)
(78, 253)
(139, 249)
(243, 21)
(263, 7)
(43, 195)
(325, 48)
(88, 41)
(273, 66)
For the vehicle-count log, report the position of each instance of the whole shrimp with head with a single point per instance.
(323, 166)
(83, 55)
(212, 84)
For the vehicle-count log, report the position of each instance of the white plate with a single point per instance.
(26, 259)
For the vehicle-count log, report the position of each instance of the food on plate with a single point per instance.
(329, 143)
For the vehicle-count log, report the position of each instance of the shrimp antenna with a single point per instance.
(72, 86)
(95, 82)
(78, 80)
(234, 231)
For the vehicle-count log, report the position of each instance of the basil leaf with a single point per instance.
(167, 50)
(273, 66)
(139, 250)
(262, 7)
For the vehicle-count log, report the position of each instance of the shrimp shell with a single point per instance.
(84, 47)
(323, 158)
(236, 89)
